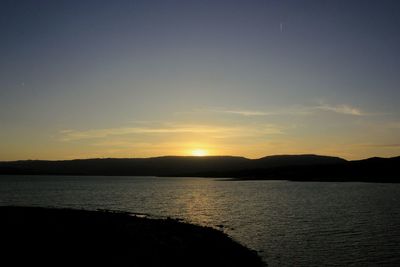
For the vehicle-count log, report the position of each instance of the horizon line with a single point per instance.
(191, 156)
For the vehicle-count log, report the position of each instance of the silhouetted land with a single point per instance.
(281, 167)
(64, 237)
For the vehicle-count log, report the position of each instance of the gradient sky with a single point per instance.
(81, 79)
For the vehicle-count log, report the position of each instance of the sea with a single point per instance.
(287, 223)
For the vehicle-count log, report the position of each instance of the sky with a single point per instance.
(96, 79)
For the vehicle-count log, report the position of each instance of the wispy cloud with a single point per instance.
(101, 133)
(277, 112)
(341, 109)
(245, 112)
(386, 145)
(376, 145)
(394, 125)
(211, 130)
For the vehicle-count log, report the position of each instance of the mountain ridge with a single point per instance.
(302, 167)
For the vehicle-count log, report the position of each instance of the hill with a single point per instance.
(160, 166)
(385, 170)
(278, 167)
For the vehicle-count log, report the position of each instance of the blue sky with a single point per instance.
(83, 79)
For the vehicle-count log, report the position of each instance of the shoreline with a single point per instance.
(226, 179)
(305, 167)
(71, 237)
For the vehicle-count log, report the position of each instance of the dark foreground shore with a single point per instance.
(64, 237)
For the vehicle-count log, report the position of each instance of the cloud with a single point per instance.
(341, 109)
(296, 110)
(390, 145)
(394, 125)
(285, 111)
(101, 133)
(246, 112)
(165, 129)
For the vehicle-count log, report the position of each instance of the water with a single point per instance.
(289, 223)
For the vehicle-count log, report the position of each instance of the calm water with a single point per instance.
(290, 223)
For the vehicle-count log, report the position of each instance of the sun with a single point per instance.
(199, 152)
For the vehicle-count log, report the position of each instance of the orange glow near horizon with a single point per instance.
(199, 152)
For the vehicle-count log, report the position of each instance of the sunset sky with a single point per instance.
(83, 79)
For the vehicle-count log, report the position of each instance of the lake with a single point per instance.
(289, 223)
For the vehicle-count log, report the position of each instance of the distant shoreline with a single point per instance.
(281, 167)
(225, 179)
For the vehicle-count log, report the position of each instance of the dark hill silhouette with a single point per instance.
(296, 160)
(158, 166)
(281, 167)
(385, 170)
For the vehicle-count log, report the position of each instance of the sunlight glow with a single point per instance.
(199, 152)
